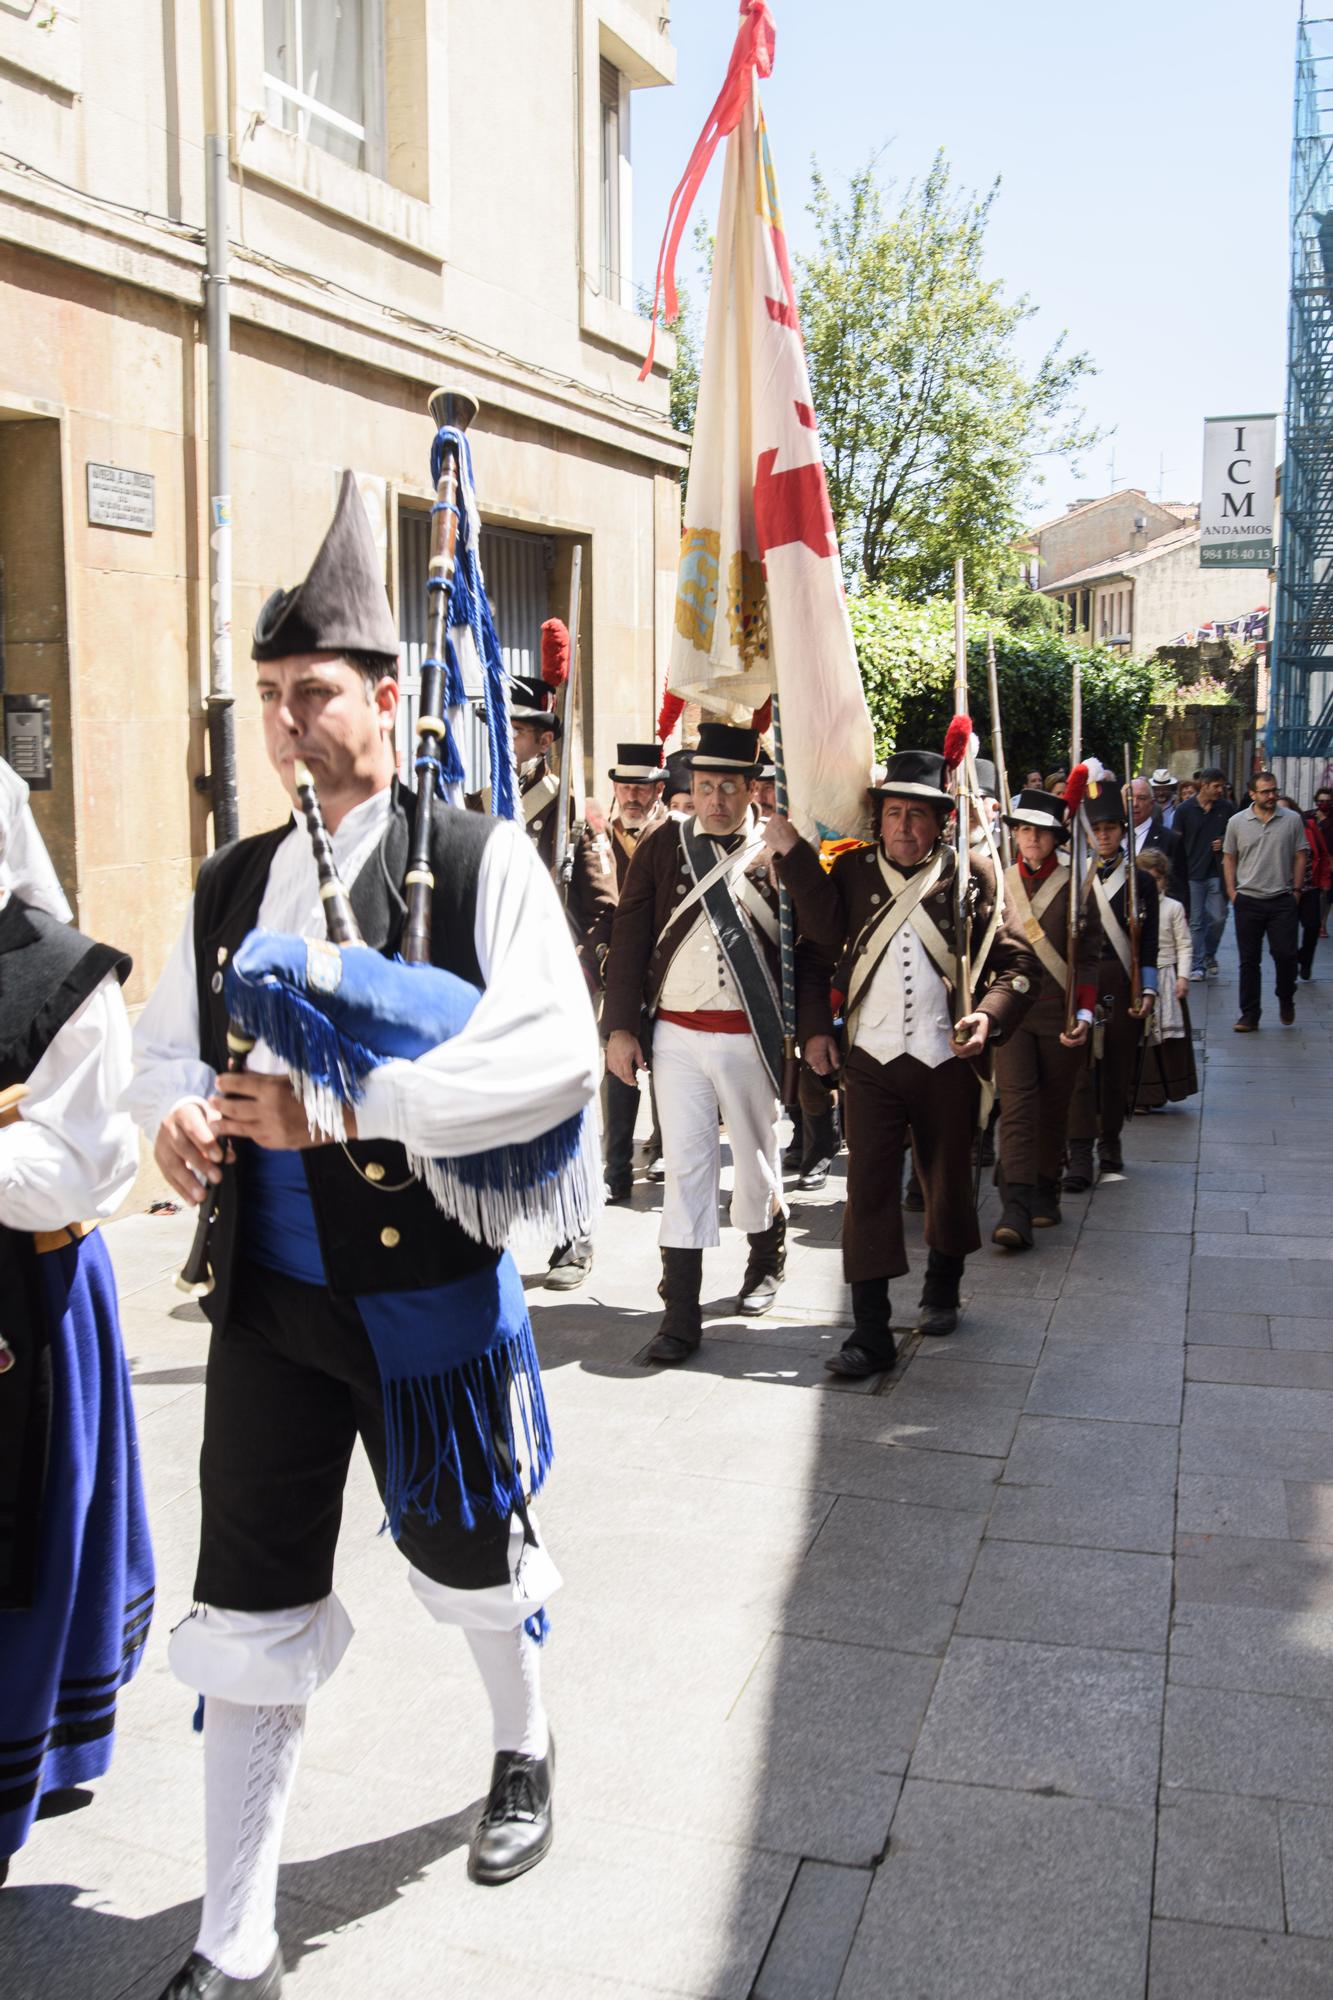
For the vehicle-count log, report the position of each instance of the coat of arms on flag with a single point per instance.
(760, 605)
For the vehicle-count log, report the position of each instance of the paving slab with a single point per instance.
(892, 1576)
(1219, 1861)
(1068, 1720)
(1258, 1745)
(809, 1948)
(1251, 1648)
(1215, 1504)
(1212, 1962)
(1069, 1596)
(1091, 1379)
(990, 1894)
(1071, 1517)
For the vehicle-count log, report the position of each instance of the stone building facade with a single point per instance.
(419, 192)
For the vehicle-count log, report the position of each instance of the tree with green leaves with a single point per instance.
(930, 422)
(905, 652)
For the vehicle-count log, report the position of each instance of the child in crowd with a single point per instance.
(1169, 1074)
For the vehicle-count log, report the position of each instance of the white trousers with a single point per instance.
(266, 1657)
(696, 1075)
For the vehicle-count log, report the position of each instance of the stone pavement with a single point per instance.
(1009, 1675)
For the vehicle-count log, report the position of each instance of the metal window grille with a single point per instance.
(517, 569)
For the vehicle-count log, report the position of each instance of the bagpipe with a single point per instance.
(334, 1010)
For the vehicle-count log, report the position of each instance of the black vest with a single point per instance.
(47, 971)
(377, 1233)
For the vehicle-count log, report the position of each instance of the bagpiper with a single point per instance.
(883, 921)
(1104, 1088)
(1037, 1066)
(344, 1303)
(694, 949)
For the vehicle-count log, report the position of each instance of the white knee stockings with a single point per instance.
(250, 1758)
(510, 1667)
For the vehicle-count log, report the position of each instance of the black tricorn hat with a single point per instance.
(1109, 804)
(724, 748)
(533, 700)
(342, 607)
(637, 764)
(1041, 809)
(914, 774)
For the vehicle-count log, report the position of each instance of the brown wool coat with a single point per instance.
(1047, 1016)
(642, 940)
(833, 910)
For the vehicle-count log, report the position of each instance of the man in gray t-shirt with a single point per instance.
(1263, 865)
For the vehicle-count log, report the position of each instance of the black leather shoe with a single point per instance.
(1245, 1026)
(763, 1268)
(814, 1177)
(1110, 1159)
(1013, 1231)
(621, 1188)
(1046, 1205)
(854, 1363)
(200, 1979)
(935, 1321)
(1286, 1013)
(1079, 1170)
(514, 1832)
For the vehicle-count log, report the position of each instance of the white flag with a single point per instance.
(760, 604)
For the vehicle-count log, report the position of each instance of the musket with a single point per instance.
(1133, 916)
(962, 815)
(1005, 836)
(564, 846)
(1077, 857)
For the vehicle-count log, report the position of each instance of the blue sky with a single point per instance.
(1143, 153)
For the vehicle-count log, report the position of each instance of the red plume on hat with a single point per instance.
(555, 652)
(673, 707)
(1076, 789)
(957, 738)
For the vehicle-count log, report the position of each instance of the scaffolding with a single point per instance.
(1300, 722)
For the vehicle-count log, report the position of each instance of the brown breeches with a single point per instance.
(1036, 1077)
(880, 1102)
(1101, 1095)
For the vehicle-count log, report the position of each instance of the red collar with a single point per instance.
(1038, 874)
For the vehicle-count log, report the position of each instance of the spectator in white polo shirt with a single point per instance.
(1263, 865)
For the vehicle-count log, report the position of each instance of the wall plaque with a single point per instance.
(118, 498)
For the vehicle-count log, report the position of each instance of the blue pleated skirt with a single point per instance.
(64, 1658)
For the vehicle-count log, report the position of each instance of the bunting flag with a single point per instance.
(760, 604)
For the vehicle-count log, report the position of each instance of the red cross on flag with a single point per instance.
(760, 604)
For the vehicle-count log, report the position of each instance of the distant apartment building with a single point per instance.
(1125, 570)
(419, 192)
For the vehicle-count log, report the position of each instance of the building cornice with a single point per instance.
(149, 252)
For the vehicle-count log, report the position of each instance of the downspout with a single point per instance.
(217, 328)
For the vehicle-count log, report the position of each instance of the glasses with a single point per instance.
(726, 788)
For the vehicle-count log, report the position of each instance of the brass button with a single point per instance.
(536, 826)
(373, 1170)
(223, 954)
(874, 899)
(389, 1238)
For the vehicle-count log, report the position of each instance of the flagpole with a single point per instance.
(786, 926)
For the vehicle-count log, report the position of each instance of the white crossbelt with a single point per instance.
(1030, 911)
(908, 892)
(1104, 892)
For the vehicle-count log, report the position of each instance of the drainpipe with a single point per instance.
(217, 324)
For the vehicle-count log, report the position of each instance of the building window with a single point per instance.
(323, 75)
(616, 283)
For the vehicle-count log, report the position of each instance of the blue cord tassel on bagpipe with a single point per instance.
(470, 608)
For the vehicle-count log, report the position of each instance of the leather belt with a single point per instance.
(46, 1240)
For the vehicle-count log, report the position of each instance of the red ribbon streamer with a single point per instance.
(752, 51)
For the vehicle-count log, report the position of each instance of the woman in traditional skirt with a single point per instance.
(76, 1566)
(1169, 1075)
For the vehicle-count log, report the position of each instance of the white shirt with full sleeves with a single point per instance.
(71, 1155)
(526, 1060)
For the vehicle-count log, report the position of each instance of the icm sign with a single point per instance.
(1236, 517)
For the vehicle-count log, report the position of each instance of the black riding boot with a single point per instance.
(1014, 1228)
(764, 1267)
(939, 1294)
(682, 1326)
(1079, 1170)
(870, 1348)
(1046, 1203)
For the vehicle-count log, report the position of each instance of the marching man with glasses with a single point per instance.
(694, 951)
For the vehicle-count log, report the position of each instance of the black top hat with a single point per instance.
(342, 606)
(987, 778)
(1043, 809)
(637, 764)
(676, 771)
(723, 748)
(531, 700)
(914, 774)
(1109, 805)
(767, 772)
